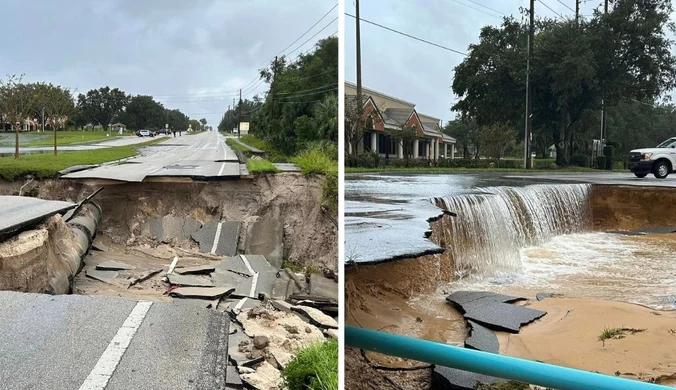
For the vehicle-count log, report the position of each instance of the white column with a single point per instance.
(415, 148)
(374, 142)
(427, 149)
(452, 150)
(400, 149)
(445, 150)
(436, 149)
(349, 148)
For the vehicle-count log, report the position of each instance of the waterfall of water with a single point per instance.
(492, 227)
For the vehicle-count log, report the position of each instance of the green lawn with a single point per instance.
(72, 138)
(315, 367)
(47, 165)
(260, 166)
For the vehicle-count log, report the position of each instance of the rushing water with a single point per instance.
(492, 227)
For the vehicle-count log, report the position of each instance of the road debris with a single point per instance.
(112, 265)
(201, 292)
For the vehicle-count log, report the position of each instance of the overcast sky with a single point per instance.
(415, 71)
(192, 55)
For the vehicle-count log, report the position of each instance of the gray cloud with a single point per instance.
(193, 55)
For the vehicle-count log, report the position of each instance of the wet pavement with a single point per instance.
(115, 141)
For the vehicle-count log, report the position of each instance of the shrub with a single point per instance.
(601, 162)
(608, 152)
(315, 161)
(315, 367)
(579, 160)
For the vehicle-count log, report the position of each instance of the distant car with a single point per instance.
(660, 160)
(162, 131)
(145, 133)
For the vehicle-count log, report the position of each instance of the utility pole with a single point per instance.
(43, 119)
(358, 30)
(529, 97)
(272, 88)
(239, 115)
(577, 12)
(604, 130)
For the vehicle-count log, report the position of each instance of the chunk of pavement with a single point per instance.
(225, 276)
(112, 265)
(281, 305)
(103, 276)
(232, 379)
(190, 280)
(201, 292)
(446, 378)
(284, 287)
(266, 237)
(143, 276)
(316, 317)
(656, 230)
(169, 227)
(482, 339)
(543, 296)
(228, 237)
(332, 333)
(462, 298)
(100, 247)
(199, 269)
(323, 286)
(265, 377)
(501, 316)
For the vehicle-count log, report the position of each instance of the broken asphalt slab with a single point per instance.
(103, 276)
(199, 269)
(482, 338)
(112, 265)
(446, 378)
(169, 227)
(316, 317)
(190, 280)
(19, 212)
(219, 238)
(323, 286)
(266, 238)
(201, 292)
(493, 311)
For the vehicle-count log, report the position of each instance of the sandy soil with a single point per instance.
(568, 336)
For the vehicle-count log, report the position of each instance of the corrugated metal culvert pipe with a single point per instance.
(83, 223)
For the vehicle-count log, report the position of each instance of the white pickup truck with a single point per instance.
(660, 160)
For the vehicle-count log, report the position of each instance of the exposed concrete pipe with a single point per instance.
(71, 254)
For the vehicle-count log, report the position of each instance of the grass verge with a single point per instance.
(71, 138)
(273, 154)
(46, 165)
(236, 146)
(316, 162)
(315, 367)
(255, 165)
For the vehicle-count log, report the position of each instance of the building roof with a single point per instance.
(369, 91)
(398, 115)
(119, 124)
(448, 138)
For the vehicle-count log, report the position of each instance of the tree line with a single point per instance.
(60, 108)
(621, 60)
(300, 109)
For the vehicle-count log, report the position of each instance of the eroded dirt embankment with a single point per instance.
(292, 200)
(400, 297)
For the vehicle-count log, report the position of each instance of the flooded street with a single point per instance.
(511, 235)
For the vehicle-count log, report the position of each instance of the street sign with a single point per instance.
(244, 126)
(166, 126)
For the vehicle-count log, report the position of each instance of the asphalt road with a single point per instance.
(199, 156)
(68, 342)
(615, 178)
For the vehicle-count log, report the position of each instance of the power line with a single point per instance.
(308, 30)
(551, 9)
(487, 7)
(308, 90)
(408, 35)
(477, 9)
(308, 94)
(317, 33)
(565, 5)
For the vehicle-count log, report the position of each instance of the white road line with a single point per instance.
(239, 305)
(254, 280)
(247, 264)
(99, 376)
(216, 238)
(220, 172)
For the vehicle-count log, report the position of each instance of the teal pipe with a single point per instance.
(486, 363)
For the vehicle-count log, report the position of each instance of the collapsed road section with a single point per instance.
(232, 278)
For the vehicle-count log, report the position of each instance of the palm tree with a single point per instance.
(326, 117)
